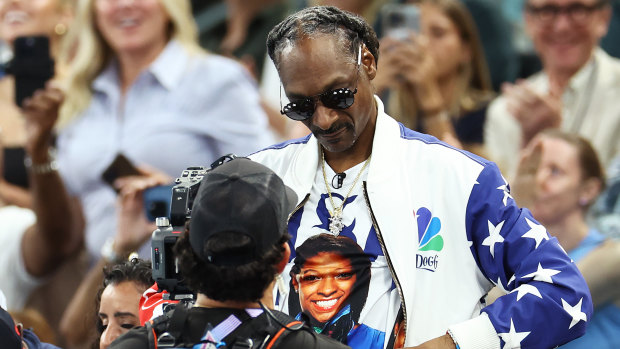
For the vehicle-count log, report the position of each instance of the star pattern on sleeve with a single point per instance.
(513, 278)
(513, 339)
(517, 254)
(494, 237)
(500, 285)
(525, 289)
(536, 232)
(504, 188)
(542, 274)
(575, 312)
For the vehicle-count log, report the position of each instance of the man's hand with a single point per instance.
(41, 112)
(443, 342)
(534, 111)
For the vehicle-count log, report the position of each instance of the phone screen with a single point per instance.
(399, 20)
(120, 167)
(31, 66)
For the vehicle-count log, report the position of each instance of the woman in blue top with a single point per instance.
(559, 178)
(140, 86)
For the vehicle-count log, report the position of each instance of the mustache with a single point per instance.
(335, 128)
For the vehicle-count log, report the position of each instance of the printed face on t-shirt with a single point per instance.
(331, 277)
(324, 285)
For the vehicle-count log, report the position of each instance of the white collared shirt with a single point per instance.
(590, 109)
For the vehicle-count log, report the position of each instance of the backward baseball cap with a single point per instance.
(240, 196)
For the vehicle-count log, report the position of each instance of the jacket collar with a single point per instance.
(387, 132)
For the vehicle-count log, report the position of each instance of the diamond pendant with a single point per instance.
(335, 222)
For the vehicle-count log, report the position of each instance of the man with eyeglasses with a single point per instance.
(437, 225)
(577, 91)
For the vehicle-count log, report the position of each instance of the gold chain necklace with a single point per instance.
(335, 219)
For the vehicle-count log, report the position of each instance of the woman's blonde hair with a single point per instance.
(88, 53)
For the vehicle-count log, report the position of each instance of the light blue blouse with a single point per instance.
(184, 110)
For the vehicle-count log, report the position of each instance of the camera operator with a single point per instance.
(235, 245)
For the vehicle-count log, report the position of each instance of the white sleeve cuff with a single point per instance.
(476, 333)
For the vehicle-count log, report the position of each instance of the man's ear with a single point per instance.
(285, 257)
(369, 63)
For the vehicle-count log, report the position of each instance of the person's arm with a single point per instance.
(601, 269)
(58, 231)
(77, 325)
(548, 302)
(78, 321)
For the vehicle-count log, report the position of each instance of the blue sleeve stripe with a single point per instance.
(285, 144)
(408, 134)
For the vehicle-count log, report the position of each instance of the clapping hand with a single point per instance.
(535, 111)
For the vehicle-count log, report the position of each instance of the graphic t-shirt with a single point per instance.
(340, 284)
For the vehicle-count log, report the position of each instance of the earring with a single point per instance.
(60, 29)
(583, 202)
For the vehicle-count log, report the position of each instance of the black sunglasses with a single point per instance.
(341, 98)
(576, 12)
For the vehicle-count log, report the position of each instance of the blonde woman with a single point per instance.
(139, 86)
(437, 80)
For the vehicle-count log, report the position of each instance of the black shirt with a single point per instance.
(198, 318)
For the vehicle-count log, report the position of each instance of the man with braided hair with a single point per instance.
(438, 225)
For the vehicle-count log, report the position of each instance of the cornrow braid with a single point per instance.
(319, 20)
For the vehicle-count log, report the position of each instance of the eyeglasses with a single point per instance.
(341, 98)
(577, 12)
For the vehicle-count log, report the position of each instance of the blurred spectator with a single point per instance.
(576, 91)
(438, 80)
(239, 28)
(559, 178)
(50, 18)
(141, 87)
(36, 243)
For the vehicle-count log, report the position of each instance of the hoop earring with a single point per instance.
(60, 29)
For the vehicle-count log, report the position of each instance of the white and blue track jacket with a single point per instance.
(451, 231)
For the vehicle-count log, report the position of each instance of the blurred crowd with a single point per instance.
(143, 89)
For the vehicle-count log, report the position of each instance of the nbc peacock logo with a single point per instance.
(430, 241)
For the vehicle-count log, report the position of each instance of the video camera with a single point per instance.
(164, 263)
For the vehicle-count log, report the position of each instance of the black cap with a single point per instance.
(8, 335)
(240, 196)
